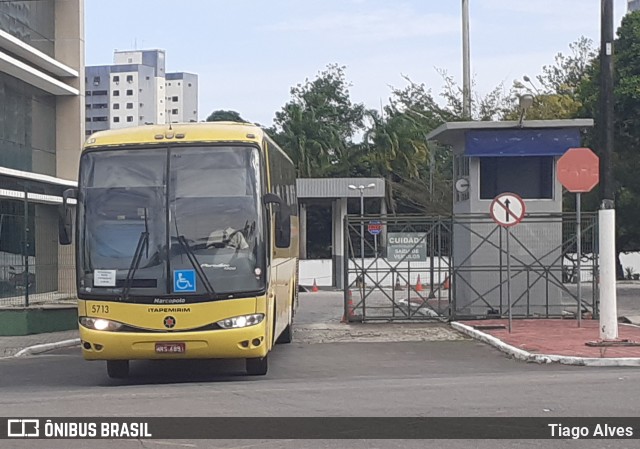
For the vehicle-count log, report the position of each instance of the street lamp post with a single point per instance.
(466, 63)
(362, 188)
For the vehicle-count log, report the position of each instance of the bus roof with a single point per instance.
(177, 132)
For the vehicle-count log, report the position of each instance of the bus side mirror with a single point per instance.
(283, 220)
(65, 217)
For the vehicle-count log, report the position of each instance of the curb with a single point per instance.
(38, 349)
(526, 356)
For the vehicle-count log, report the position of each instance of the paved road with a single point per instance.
(379, 377)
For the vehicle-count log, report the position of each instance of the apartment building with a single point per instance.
(182, 97)
(135, 90)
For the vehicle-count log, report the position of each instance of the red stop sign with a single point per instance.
(579, 170)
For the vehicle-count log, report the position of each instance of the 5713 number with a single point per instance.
(99, 308)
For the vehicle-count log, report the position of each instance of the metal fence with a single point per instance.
(34, 268)
(441, 268)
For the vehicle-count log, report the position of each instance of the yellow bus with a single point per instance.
(186, 244)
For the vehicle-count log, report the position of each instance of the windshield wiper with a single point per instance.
(143, 243)
(196, 265)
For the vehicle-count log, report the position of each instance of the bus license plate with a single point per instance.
(170, 348)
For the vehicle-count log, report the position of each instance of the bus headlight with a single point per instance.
(99, 324)
(241, 321)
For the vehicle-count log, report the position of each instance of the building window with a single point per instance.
(141, 117)
(179, 84)
(116, 119)
(129, 105)
(88, 132)
(100, 119)
(116, 93)
(100, 106)
(174, 111)
(139, 90)
(130, 60)
(99, 92)
(88, 119)
(116, 79)
(189, 84)
(88, 105)
(174, 99)
(169, 84)
(87, 93)
(96, 80)
(129, 92)
(129, 78)
(116, 105)
(129, 118)
(147, 78)
(141, 104)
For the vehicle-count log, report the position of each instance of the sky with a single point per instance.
(248, 54)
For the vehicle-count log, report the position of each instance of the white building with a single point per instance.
(182, 97)
(135, 90)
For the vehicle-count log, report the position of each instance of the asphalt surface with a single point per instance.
(428, 373)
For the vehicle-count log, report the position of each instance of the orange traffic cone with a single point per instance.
(446, 284)
(349, 308)
(418, 285)
(315, 286)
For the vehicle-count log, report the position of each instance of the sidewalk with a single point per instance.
(555, 340)
(37, 343)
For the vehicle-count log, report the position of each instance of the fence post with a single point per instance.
(25, 246)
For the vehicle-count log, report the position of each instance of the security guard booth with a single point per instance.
(491, 158)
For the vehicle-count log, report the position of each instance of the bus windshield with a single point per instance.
(193, 214)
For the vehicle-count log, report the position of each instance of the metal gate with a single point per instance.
(442, 268)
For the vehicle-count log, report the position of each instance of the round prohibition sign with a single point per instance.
(507, 209)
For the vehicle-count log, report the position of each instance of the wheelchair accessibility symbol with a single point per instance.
(184, 281)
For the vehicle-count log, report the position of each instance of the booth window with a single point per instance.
(531, 177)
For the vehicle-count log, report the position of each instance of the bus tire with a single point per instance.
(257, 366)
(118, 369)
(287, 334)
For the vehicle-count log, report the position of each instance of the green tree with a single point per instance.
(626, 158)
(225, 116)
(556, 89)
(395, 147)
(317, 126)
(488, 107)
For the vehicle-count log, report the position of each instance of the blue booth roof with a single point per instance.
(521, 142)
(511, 138)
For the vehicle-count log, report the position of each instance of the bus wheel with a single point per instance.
(287, 334)
(118, 369)
(257, 366)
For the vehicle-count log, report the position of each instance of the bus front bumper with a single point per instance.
(249, 342)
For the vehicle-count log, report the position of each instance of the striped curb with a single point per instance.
(526, 356)
(39, 349)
